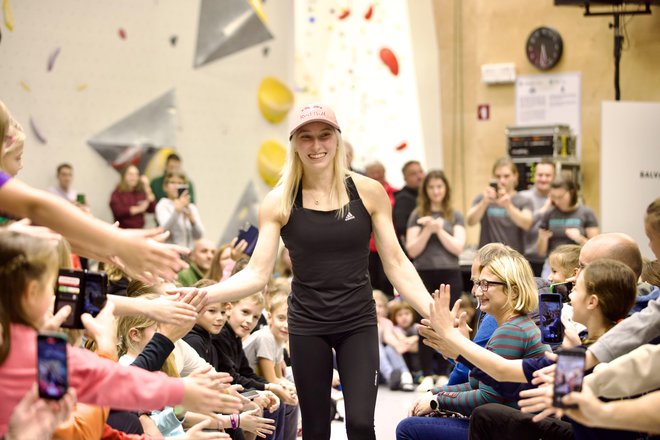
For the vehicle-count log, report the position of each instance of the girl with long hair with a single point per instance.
(325, 215)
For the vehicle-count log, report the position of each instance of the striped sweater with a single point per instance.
(518, 338)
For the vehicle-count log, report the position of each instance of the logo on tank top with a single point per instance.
(349, 216)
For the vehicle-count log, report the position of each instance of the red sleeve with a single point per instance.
(102, 382)
(119, 207)
(152, 206)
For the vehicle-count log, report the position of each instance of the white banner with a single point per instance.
(629, 167)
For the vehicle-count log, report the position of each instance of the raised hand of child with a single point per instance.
(251, 421)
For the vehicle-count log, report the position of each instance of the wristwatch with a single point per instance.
(433, 404)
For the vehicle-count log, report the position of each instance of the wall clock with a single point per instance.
(544, 47)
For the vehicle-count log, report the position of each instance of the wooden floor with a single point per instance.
(391, 407)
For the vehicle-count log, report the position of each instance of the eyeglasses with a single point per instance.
(485, 284)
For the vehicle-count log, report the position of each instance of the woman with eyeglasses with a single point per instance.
(506, 291)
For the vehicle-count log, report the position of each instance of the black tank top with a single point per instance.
(331, 292)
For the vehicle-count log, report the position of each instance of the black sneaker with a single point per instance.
(395, 379)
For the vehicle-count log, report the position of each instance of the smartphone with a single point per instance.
(493, 184)
(569, 375)
(563, 289)
(552, 330)
(95, 292)
(52, 367)
(250, 234)
(180, 189)
(250, 394)
(80, 198)
(84, 292)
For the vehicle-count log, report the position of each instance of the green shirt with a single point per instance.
(188, 277)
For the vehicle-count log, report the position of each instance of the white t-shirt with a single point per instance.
(262, 344)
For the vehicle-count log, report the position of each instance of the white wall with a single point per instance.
(630, 167)
(220, 127)
(337, 61)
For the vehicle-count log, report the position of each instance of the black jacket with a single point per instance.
(232, 359)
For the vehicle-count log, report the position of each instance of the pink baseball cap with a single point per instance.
(312, 113)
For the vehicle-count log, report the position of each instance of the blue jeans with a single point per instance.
(390, 359)
(436, 428)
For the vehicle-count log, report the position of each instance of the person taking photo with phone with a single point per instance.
(504, 214)
(177, 214)
(325, 215)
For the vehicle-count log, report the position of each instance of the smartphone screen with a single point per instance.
(96, 288)
(493, 184)
(251, 394)
(250, 235)
(67, 293)
(80, 198)
(569, 375)
(552, 330)
(563, 289)
(52, 371)
(180, 189)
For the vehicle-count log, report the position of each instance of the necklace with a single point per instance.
(316, 202)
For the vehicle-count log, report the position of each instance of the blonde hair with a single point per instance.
(17, 143)
(380, 296)
(516, 273)
(293, 172)
(490, 252)
(278, 300)
(137, 288)
(10, 127)
(567, 257)
(4, 125)
(204, 282)
(256, 298)
(651, 272)
(23, 258)
(140, 323)
(64, 254)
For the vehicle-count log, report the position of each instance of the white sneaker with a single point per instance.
(442, 381)
(426, 385)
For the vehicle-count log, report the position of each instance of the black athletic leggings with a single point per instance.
(357, 362)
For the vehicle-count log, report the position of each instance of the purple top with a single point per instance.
(4, 177)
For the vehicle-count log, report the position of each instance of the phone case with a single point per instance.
(552, 329)
(84, 292)
(52, 366)
(250, 236)
(568, 375)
